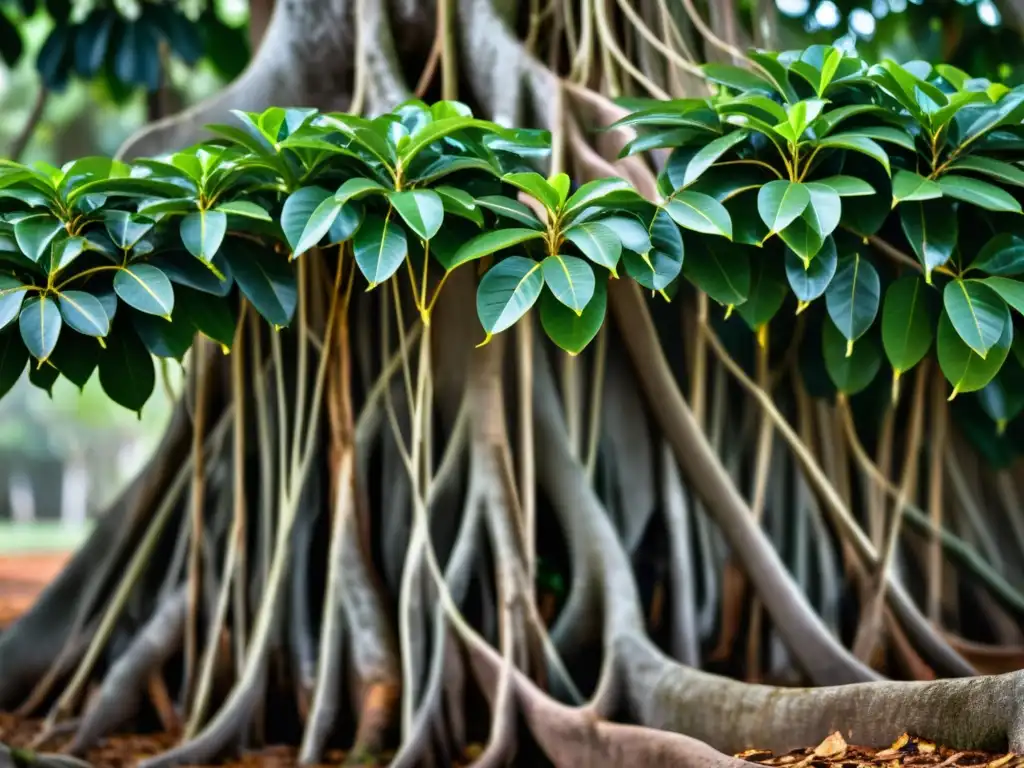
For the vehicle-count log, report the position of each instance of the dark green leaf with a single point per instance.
(356, 188)
(511, 209)
(908, 186)
(851, 369)
(1003, 254)
(487, 243)
(856, 143)
(780, 202)
(570, 279)
(460, 203)
(656, 269)
(568, 330)
(852, 297)
(631, 233)
(810, 279)
(709, 154)
(195, 274)
(603, 192)
(977, 312)
(12, 296)
(720, 269)
(127, 373)
(931, 229)
(265, 279)
(166, 339)
(979, 193)
(298, 210)
(34, 234)
(83, 312)
(146, 288)
(700, 213)
(203, 232)
(75, 358)
(768, 291)
(126, 229)
(244, 208)
(906, 323)
(598, 242)
(13, 358)
(213, 318)
(318, 224)
(997, 169)
(963, 367)
(1011, 291)
(848, 186)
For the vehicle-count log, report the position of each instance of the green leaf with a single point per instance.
(166, 339)
(737, 78)
(431, 132)
(66, 252)
(568, 330)
(298, 211)
(1011, 291)
(126, 229)
(203, 232)
(856, 143)
(701, 213)
(12, 296)
(127, 373)
(767, 293)
(506, 292)
(511, 209)
(213, 318)
(964, 368)
(598, 242)
(34, 234)
(825, 210)
(561, 183)
(906, 323)
(931, 229)
(851, 370)
(358, 187)
(780, 202)
(852, 297)
(265, 279)
(803, 235)
(146, 288)
(570, 279)
(909, 186)
(997, 169)
(244, 208)
(656, 269)
(421, 209)
(599, 192)
(40, 326)
(1003, 254)
(460, 203)
(810, 279)
(44, 376)
(709, 154)
(720, 269)
(848, 186)
(380, 248)
(75, 360)
(84, 313)
(13, 358)
(979, 193)
(487, 243)
(346, 223)
(1009, 109)
(537, 187)
(194, 273)
(977, 313)
(887, 134)
(631, 233)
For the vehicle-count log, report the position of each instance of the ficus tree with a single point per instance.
(521, 424)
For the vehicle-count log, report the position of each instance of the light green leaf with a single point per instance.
(611, 191)
(40, 326)
(979, 193)
(570, 279)
(358, 187)
(380, 248)
(931, 229)
(856, 143)
(977, 312)
(909, 186)
(1011, 291)
(848, 186)
(887, 134)
(810, 279)
(560, 182)
(598, 242)
(487, 243)
(997, 169)
(298, 210)
(852, 297)
(568, 330)
(631, 233)
(460, 203)
(244, 208)
(507, 291)
(1003, 254)
(12, 296)
(34, 234)
(964, 368)
(780, 202)
(906, 323)
(203, 232)
(421, 209)
(851, 369)
(146, 288)
(428, 133)
(701, 213)
(317, 225)
(83, 312)
(826, 207)
(803, 236)
(537, 187)
(511, 209)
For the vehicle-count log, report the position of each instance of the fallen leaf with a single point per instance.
(834, 745)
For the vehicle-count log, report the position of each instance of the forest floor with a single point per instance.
(23, 577)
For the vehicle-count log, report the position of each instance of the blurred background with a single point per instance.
(78, 76)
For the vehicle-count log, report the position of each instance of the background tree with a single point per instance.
(310, 542)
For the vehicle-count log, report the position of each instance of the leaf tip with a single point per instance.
(849, 348)
(486, 341)
(801, 305)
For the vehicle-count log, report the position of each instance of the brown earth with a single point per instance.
(22, 577)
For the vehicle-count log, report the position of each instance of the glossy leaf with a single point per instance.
(599, 192)
(908, 186)
(979, 193)
(931, 229)
(1003, 254)
(537, 187)
(568, 330)
(853, 296)
(1011, 291)
(12, 295)
(977, 313)
(720, 269)
(850, 370)
(146, 288)
(487, 243)
(767, 293)
(380, 248)
(356, 188)
(40, 326)
(907, 329)
(35, 233)
(598, 242)
(780, 202)
(964, 368)
(989, 166)
(84, 313)
(848, 186)
(709, 154)
(203, 232)
(126, 229)
(657, 268)
(421, 209)
(631, 233)
(810, 279)
(507, 291)
(244, 208)
(127, 373)
(856, 143)
(511, 209)
(570, 279)
(700, 213)
(265, 279)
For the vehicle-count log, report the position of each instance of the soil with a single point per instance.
(23, 577)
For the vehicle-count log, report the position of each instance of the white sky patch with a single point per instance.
(862, 22)
(988, 13)
(827, 15)
(793, 8)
